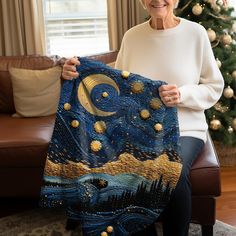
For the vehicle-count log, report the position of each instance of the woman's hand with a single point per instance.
(169, 94)
(69, 68)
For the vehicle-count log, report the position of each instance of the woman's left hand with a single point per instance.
(169, 94)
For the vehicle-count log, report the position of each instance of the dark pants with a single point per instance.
(177, 214)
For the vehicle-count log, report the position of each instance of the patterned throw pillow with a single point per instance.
(113, 160)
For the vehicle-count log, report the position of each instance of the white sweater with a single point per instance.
(183, 56)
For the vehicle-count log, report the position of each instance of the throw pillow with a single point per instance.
(36, 92)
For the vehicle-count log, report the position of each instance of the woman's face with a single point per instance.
(159, 8)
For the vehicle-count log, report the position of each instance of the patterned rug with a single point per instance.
(44, 222)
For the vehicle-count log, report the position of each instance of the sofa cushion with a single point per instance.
(34, 62)
(24, 141)
(36, 92)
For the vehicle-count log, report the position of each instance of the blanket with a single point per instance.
(113, 160)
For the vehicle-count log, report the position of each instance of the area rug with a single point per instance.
(44, 222)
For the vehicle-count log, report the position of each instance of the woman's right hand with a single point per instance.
(69, 68)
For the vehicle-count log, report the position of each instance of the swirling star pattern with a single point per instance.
(114, 156)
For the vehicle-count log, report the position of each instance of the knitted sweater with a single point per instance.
(181, 55)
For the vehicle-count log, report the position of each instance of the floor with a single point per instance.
(225, 210)
(226, 203)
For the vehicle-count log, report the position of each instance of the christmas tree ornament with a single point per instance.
(228, 92)
(234, 74)
(197, 9)
(234, 27)
(230, 130)
(215, 124)
(218, 62)
(218, 106)
(211, 35)
(226, 39)
(220, 2)
(234, 123)
(216, 9)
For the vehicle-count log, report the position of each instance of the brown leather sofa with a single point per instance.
(24, 143)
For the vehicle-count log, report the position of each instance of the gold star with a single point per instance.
(102, 182)
(145, 114)
(137, 87)
(125, 74)
(75, 123)
(67, 106)
(96, 145)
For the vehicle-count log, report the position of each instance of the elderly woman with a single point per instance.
(177, 51)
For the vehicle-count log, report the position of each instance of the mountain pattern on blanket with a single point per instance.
(113, 159)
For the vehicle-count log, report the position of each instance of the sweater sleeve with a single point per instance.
(207, 92)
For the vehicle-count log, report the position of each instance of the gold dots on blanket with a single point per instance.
(125, 74)
(155, 103)
(67, 106)
(158, 127)
(105, 94)
(96, 145)
(137, 87)
(145, 114)
(104, 234)
(109, 229)
(100, 127)
(75, 123)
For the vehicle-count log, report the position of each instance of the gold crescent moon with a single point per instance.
(85, 88)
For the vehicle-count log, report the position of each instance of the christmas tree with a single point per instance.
(218, 20)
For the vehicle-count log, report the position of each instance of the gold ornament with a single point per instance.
(197, 9)
(234, 74)
(226, 39)
(96, 145)
(218, 62)
(234, 27)
(234, 123)
(100, 127)
(155, 103)
(211, 35)
(109, 229)
(215, 124)
(125, 74)
(230, 130)
(104, 234)
(105, 94)
(137, 87)
(218, 106)
(228, 92)
(158, 127)
(216, 8)
(145, 114)
(67, 106)
(75, 123)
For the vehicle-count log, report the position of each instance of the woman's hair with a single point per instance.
(143, 3)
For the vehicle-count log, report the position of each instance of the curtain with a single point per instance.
(21, 27)
(122, 15)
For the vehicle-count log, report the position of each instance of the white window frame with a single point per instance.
(74, 34)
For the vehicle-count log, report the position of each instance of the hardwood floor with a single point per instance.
(226, 203)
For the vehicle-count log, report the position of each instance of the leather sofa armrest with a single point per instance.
(205, 172)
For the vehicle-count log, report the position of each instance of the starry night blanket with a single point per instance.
(113, 160)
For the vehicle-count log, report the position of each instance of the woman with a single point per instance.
(177, 51)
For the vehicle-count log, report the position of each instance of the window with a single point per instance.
(232, 3)
(76, 27)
